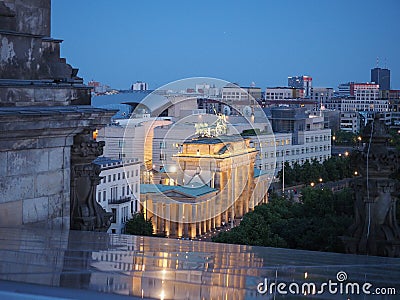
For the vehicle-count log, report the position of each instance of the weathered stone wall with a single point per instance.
(28, 17)
(34, 183)
(43, 106)
(44, 95)
(35, 161)
(32, 58)
(26, 50)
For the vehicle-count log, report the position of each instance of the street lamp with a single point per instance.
(312, 184)
(320, 179)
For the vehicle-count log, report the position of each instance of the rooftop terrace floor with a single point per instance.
(51, 264)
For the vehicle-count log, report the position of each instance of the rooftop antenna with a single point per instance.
(385, 63)
(320, 107)
(377, 62)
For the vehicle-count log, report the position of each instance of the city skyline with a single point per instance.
(262, 42)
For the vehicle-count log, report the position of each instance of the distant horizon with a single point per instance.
(262, 42)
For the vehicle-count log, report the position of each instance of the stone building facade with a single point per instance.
(216, 185)
(46, 126)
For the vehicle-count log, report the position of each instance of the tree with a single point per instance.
(139, 226)
(314, 224)
(332, 169)
(345, 138)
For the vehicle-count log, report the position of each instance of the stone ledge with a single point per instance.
(43, 127)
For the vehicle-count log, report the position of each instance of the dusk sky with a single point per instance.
(157, 41)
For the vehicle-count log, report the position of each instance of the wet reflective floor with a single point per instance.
(107, 265)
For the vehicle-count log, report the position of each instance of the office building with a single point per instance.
(301, 82)
(280, 93)
(381, 77)
(344, 89)
(321, 94)
(140, 86)
(298, 137)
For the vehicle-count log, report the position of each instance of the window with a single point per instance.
(136, 188)
(99, 197)
(114, 177)
(119, 176)
(104, 195)
(109, 178)
(123, 175)
(114, 193)
(137, 172)
(114, 215)
(123, 191)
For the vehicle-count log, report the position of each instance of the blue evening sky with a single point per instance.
(158, 41)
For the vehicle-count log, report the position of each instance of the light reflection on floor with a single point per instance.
(172, 269)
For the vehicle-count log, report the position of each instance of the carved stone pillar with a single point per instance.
(86, 213)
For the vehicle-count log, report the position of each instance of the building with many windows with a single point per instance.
(301, 82)
(119, 190)
(350, 121)
(344, 89)
(233, 92)
(130, 138)
(321, 94)
(140, 86)
(363, 97)
(280, 93)
(298, 137)
(381, 77)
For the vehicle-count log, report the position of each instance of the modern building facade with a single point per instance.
(140, 86)
(233, 92)
(381, 77)
(321, 94)
(350, 121)
(366, 87)
(344, 89)
(280, 93)
(301, 82)
(298, 137)
(131, 138)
